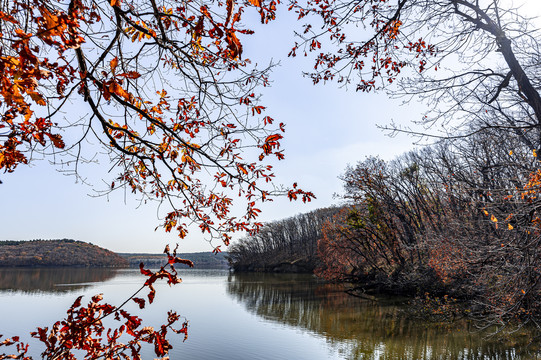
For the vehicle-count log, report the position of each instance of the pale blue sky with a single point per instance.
(326, 129)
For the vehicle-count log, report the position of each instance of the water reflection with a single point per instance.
(51, 280)
(363, 329)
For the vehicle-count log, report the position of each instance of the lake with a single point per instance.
(253, 316)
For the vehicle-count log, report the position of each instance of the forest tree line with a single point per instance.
(201, 260)
(458, 218)
(288, 245)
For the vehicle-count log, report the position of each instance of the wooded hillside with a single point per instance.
(63, 252)
(288, 245)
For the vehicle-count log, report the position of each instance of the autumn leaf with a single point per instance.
(198, 29)
(230, 6)
(242, 169)
(140, 302)
(7, 17)
(494, 220)
(37, 97)
(177, 260)
(113, 63)
(151, 295)
(130, 75)
(234, 45)
(273, 138)
(56, 140)
(54, 25)
(115, 88)
(144, 271)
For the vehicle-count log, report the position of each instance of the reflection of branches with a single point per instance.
(361, 329)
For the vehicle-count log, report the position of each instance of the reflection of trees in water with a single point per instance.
(49, 279)
(363, 329)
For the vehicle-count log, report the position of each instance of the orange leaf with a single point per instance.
(55, 27)
(234, 46)
(273, 138)
(37, 98)
(242, 169)
(230, 6)
(56, 140)
(131, 75)
(114, 63)
(117, 89)
(6, 17)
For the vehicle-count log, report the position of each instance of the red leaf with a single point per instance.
(140, 302)
(151, 294)
(198, 30)
(131, 75)
(77, 302)
(145, 271)
(183, 261)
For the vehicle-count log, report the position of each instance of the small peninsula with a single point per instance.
(64, 252)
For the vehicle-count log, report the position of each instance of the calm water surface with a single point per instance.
(252, 316)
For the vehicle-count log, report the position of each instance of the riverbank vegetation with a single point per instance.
(457, 219)
(65, 252)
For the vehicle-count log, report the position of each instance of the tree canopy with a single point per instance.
(474, 62)
(164, 89)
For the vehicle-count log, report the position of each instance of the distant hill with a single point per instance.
(201, 260)
(65, 252)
